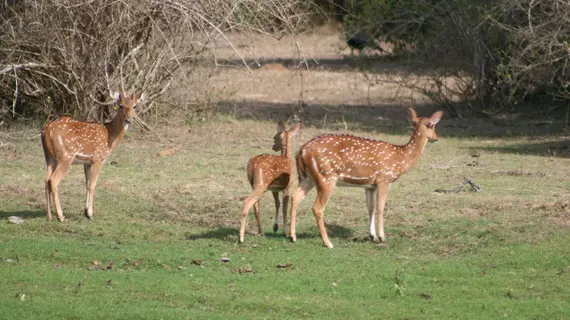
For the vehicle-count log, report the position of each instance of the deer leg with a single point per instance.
(58, 174)
(323, 195)
(304, 187)
(382, 196)
(50, 168)
(95, 170)
(87, 170)
(286, 199)
(371, 204)
(277, 205)
(258, 218)
(250, 201)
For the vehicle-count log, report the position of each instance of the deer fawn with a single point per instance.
(66, 142)
(271, 172)
(339, 159)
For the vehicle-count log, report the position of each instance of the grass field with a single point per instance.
(499, 253)
(163, 224)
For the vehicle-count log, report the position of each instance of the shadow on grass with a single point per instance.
(386, 118)
(392, 119)
(219, 233)
(560, 149)
(334, 230)
(22, 214)
(372, 64)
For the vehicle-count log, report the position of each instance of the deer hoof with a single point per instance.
(293, 238)
(329, 245)
(372, 237)
(89, 216)
(378, 240)
(275, 227)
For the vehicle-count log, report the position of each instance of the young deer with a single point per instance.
(66, 142)
(271, 172)
(339, 159)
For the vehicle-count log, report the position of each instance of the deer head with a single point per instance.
(283, 136)
(127, 107)
(425, 126)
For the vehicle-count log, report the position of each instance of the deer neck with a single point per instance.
(286, 152)
(413, 150)
(286, 147)
(116, 128)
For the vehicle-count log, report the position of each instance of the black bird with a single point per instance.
(359, 40)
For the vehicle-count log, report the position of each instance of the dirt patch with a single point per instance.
(519, 173)
(559, 211)
(168, 152)
(34, 198)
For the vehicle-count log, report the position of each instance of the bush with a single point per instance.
(65, 56)
(490, 54)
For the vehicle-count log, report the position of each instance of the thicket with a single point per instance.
(65, 56)
(491, 54)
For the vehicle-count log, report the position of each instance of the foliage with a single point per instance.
(490, 53)
(537, 56)
(65, 56)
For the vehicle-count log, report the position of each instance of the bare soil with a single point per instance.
(313, 73)
(315, 77)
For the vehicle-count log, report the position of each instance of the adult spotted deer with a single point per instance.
(340, 159)
(66, 141)
(271, 172)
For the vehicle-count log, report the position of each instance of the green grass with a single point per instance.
(501, 253)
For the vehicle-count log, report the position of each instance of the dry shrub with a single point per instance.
(475, 54)
(65, 56)
(537, 57)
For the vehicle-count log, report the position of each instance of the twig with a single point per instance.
(465, 182)
(23, 65)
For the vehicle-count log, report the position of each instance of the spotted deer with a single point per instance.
(271, 172)
(66, 141)
(344, 160)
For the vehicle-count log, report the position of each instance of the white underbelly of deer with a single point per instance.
(342, 183)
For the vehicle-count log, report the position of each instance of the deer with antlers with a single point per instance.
(66, 141)
(340, 159)
(271, 172)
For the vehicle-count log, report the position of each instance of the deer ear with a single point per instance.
(142, 98)
(280, 126)
(435, 118)
(412, 115)
(296, 128)
(115, 95)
